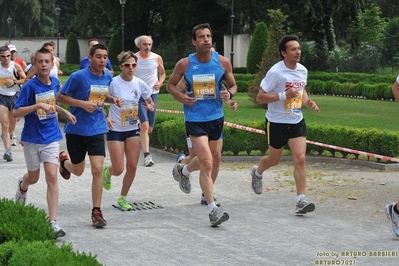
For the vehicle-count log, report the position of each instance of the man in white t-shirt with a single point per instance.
(283, 89)
(150, 69)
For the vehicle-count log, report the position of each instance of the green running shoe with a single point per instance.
(106, 178)
(122, 202)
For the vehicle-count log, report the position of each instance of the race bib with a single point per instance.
(129, 114)
(204, 87)
(45, 97)
(98, 93)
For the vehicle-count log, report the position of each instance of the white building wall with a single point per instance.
(27, 47)
(240, 48)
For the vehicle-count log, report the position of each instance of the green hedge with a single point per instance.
(27, 238)
(169, 134)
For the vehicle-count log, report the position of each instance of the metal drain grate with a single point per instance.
(138, 206)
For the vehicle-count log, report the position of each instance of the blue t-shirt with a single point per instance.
(204, 80)
(36, 130)
(80, 85)
(84, 62)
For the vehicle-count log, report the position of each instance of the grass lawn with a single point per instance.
(359, 113)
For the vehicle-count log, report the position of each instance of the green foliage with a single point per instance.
(257, 47)
(72, 53)
(271, 54)
(390, 43)
(114, 48)
(44, 253)
(32, 223)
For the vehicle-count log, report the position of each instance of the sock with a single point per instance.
(184, 171)
(211, 206)
(146, 154)
(122, 197)
(395, 209)
(301, 197)
(257, 174)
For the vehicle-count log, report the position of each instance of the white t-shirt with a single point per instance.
(126, 117)
(278, 79)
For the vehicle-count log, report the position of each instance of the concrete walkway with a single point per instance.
(262, 229)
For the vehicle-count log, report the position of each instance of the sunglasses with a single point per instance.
(4, 56)
(129, 65)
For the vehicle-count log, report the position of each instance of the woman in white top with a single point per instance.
(123, 139)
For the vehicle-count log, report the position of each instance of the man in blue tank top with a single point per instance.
(202, 98)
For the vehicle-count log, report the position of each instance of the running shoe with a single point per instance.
(184, 181)
(13, 140)
(59, 232)
(7, 156)
(97, 218)
(63, 171)
(257, 182)
(19, 195)
(304, 206)
(203, 201)
(180, 157)
(107, 184)
(148, 161)
(122, 202)
(218, 216)
(393, 219)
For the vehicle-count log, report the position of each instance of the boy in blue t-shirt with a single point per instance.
(41, 133)
(86, 91)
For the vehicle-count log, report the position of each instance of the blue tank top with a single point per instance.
(204, 80)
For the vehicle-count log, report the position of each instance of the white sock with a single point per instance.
(211, 206)
(257, 174)
(184, 171)
(301, 197)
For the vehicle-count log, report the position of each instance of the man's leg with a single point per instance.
(4, 116)
(205, 160)
(11, 128)
(298, 150)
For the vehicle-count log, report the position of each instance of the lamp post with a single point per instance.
(9, 20)
(123, 2)
(57, 13)
(232, 33)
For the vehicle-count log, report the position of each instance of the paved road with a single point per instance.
(262, 229)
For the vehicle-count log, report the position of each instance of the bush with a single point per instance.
(31, 223)
(257, 47)
(42, 253)
(72, 54)
(114, 48)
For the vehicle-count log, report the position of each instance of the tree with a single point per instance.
(390, 44)
(114, 47)
(257, 47)
(271, 54)
(72, 54)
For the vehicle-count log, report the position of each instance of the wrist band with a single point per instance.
(231, 95)
(282, 96)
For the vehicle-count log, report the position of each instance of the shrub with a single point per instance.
(42, 253)
(114, 48)
(257, 47)
(31, 223)
(72, 54)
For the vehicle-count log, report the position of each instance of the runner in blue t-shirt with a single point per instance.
(204, 72)
(86, 91)
(41, 133)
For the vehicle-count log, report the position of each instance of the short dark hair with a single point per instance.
(283, 44)
(43, 51)
(97, 46)
(200, 27)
